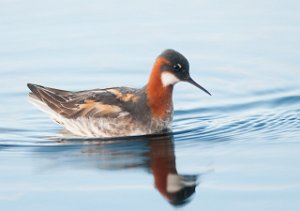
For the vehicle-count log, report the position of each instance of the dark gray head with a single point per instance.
(174, 68)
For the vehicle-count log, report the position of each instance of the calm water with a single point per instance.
(236, 150)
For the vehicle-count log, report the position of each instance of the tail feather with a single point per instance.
(39, 91)
(47, 96)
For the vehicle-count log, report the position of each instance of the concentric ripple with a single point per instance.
(267, 119)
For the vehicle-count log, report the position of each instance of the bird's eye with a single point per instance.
(177, 66)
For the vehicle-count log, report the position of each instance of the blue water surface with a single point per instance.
(236, 150)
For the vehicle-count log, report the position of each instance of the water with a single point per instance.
(236, 150)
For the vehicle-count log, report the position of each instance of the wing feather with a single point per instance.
(91, 103)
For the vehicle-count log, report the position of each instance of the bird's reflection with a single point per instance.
(155, 153)
(176, 188)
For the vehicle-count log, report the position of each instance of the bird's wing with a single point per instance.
(110, 102)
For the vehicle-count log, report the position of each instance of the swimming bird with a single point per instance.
(118, 111)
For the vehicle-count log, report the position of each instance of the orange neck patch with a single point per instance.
(159, 97)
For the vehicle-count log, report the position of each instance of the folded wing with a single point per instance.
(111, 102)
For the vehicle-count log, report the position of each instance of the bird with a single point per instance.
(118, 111)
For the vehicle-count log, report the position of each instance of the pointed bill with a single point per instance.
(190, 80)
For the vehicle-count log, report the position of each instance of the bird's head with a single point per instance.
(173, 68)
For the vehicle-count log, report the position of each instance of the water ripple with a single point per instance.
(257, 119)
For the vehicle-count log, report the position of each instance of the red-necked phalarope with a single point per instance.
(118, 111)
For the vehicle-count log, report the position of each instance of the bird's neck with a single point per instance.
(159, 97)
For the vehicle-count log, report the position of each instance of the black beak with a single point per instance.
(190, 80)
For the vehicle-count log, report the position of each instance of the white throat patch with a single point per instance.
(168, 79)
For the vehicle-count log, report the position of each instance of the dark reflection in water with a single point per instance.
(176, 188)
(154, 153)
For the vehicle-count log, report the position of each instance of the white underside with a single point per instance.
(102, 127)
